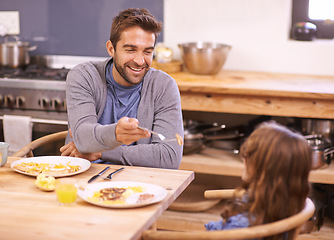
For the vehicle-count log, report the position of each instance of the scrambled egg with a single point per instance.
(34, 167)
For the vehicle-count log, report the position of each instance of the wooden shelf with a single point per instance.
(220, 162)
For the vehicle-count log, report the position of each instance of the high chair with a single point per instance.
(255, 232)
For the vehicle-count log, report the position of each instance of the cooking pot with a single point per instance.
(198, 136)
(323, 128)
(231, 145)
(321, 151)
(15, 53)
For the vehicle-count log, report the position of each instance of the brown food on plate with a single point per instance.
(117, 195)
(111, 194)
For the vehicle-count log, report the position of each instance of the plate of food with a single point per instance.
(56, 166)
(122, 194)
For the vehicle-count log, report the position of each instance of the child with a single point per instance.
(277, 163)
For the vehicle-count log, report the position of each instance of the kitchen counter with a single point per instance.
(259, 93)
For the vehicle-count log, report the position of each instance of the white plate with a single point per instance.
(159, 193)
(83, 163)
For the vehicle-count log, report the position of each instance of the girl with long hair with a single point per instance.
(277, 162)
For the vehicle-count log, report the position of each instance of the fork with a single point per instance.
(162, 137)
(111, 174)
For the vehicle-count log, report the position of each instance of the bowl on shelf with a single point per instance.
(205, 58)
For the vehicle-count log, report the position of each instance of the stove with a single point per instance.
(33, 91)
(34, 72)
(39, 91)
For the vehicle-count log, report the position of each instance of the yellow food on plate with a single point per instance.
(45, 182)
(50, 168)
(115, 195)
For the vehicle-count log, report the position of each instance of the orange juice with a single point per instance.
(66, 192)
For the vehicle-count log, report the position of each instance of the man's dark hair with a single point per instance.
(134, 17)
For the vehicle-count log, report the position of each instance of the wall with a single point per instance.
(258, 31)
(72, 27)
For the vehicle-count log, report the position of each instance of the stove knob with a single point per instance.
(56, 103)
(43, 102)
(8, 101)
(20, 101)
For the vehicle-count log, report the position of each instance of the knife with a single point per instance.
(97, 175)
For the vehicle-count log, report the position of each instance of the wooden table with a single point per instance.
(29, 213)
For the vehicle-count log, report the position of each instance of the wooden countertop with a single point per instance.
(260, 93)
(258, 83)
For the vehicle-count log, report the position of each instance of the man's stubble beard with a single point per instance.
(121, 71)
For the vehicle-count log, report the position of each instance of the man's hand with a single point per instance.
(127, 131)
(71, 150)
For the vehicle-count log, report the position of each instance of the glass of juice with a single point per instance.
(66, 191)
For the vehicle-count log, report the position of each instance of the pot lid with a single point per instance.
(16, 42)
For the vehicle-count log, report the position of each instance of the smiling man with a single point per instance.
(107, 101)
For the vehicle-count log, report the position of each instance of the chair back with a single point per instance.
(27, 150)
(254, 232)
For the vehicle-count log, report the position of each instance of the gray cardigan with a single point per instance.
(159, 110)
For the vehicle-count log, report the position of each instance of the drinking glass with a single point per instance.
(66, 191)
(3, 153)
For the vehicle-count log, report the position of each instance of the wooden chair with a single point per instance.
(28, 149)
(255, 232)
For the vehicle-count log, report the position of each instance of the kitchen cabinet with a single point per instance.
(256, 93)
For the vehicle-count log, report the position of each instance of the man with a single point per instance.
(107, 101)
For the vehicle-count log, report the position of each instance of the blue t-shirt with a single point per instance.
(237, 221)
(240, 220)
(121, 100)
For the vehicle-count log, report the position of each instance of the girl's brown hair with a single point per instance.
(133, 17)
(278, 162)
